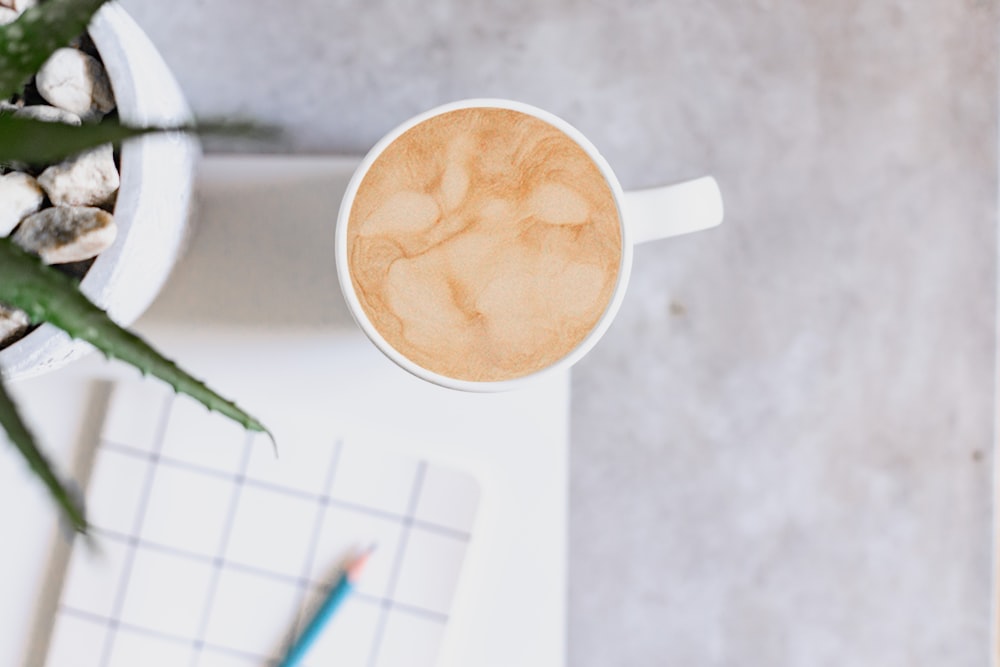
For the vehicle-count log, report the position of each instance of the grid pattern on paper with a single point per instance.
(211, 551)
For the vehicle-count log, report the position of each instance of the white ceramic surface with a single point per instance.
(650, 214)
(153, 202)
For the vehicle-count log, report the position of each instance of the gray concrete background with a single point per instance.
(782, 450)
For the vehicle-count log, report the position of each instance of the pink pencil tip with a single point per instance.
(358, 564)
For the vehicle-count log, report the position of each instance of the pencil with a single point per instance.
(339, 591)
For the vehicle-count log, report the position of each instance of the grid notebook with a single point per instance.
(210, 552)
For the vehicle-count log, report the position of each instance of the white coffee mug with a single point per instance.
(644, 215)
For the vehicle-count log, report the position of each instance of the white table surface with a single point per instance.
(249, 322)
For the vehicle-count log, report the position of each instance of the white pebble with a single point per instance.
(20, 195)
(44, 112)
(63, 234)
(89, 179)
(72, 80)
(13, 323)
(11, 9)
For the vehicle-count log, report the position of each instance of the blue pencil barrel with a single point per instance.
(301, 647)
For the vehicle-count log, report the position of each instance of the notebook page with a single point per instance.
(210, 551)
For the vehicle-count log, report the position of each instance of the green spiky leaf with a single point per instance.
(28, 42)
(40, 142)
(48, 295)
(21, 438)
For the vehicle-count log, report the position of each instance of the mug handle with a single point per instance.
(658, 213)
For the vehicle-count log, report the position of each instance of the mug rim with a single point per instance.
(401, 360)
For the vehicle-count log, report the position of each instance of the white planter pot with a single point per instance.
(152, 209)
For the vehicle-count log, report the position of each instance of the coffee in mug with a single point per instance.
(484, 244)
(487, 242)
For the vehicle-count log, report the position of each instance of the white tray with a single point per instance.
(254, 307)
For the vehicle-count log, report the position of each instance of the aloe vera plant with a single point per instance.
(44, 293)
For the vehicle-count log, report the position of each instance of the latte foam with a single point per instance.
(484, 244)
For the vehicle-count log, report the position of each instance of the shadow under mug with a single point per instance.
(644, 215)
